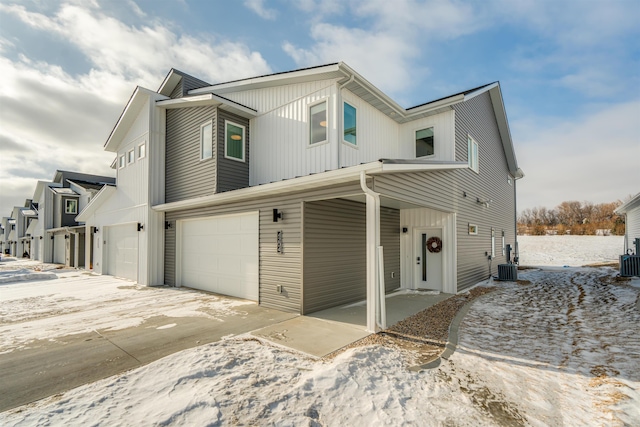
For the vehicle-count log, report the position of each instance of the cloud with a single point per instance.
(53, 119)
(258, 7)
(591, 158)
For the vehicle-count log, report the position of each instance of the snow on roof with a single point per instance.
(64, 190)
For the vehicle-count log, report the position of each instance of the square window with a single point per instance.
(206, 140)
(131, 156)
(473, 229)
(142, 150)
(472, 154)
(234, 141)
(70, 206)
(424, 142)
(318, 123)
(349, 124)
(121, 161)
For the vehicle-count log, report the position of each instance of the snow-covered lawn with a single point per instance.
(573, 251)
(563, 350)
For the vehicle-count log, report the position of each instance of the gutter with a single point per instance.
(341, 118)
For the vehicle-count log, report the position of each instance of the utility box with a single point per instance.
(508, 272)
(629, 265)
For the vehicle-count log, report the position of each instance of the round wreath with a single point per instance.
(434, 244)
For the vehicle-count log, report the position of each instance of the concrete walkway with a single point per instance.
(47, 368)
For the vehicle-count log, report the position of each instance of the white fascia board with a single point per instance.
(414, 167)
(169, 83)
(40, 186)
(480, 91)
(129, 114)
(503, 127)
(207, 99)
(95, 203)
(338, 176)
(628, 206)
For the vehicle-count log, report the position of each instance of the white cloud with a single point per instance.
(61, 120)
(591, 158)
(259, 8)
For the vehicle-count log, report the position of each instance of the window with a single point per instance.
(504, 246)
(70, 206)
(472, 154)
(206, 140)
(349, 123)
(234, 141)
(318, 123)
(142, 150)
(473, 229)
(121, 162)
(493, 243)
(131, 156)
(424, 142)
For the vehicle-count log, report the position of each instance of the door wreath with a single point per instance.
(434, 244)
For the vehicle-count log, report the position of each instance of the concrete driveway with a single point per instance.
(62, 333)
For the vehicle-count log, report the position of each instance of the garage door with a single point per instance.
(220, 254)
(122, 251)
(59, 249)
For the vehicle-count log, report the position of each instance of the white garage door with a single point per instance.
(59, 249)
(220, 254)
(122, 251)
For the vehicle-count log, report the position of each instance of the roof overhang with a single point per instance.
(66, 229)
(170, 82)
(97, 201)
(31, 227)
(40, 186)
(503, 127)
(208, 99)
(630, 205)
(309, 182)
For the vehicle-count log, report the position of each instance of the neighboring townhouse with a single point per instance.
(5, 228)
(306, 190)
(631, 212)
(60, 239)
(19, 239)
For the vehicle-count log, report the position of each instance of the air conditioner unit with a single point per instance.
(508, 272)
(629, 265)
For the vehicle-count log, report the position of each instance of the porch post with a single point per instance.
(373, 242)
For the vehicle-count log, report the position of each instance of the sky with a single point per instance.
(569, 72)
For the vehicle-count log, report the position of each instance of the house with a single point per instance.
(306, 190)
(57, 236)
(19, 237)
(631, 212)
(8, 224)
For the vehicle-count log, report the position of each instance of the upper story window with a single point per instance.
(234, 141)
(472, 154)
(318, 123)
(206, 140)
(121, 161)
(425, 142)
(71, 206)
(131, 156)
(349, 122)
(142, 150)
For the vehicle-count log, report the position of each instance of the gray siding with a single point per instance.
(67, 219)
(186, 175)
(186, 84)
(232, 174)
(335, 252)
(170, 255)
(444, 191)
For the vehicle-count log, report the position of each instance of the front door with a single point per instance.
(427, 255)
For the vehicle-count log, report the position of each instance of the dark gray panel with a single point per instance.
(186, 175)
(170, 255)
(232, 174)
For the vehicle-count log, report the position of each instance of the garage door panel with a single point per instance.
(122, 251)
(220, 254)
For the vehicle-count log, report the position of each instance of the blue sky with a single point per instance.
(569, 70)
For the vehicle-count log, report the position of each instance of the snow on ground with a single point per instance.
(82, 302)
(572, 251)
(563, 350)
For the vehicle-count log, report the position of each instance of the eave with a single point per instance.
(209, 99)
(628, 206)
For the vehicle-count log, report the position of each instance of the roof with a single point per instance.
(65, 191)
(629, 205)
(95, 203)
(87, 185)
(62, 177)
(208, 99)
(173, 78)
(28, 212)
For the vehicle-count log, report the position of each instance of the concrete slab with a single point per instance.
(317, 337)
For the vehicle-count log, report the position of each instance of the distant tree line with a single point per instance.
(582, 218)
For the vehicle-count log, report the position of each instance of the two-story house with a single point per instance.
(5, 229)
(306, 190)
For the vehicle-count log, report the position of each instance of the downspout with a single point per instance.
(518, 175)
(341, 118)
(376, 307)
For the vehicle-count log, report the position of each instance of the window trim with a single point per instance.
(326, 128)
(504, 246)
(349, 143)
(122, 161)
(415, 132)
(142, 146)
(202, 126)
(66, 206)
(471, 159)
(493, 243)
(244, 141)
(131, 156)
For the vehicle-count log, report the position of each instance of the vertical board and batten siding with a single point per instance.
(444, 136)
(334, 264)
(186, 175)
(231, 174)
(443, 191)
(376, 134)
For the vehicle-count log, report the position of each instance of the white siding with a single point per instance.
(633, 228)
(444, 131)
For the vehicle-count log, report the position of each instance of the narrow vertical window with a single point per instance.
(318, 123)
(504, 246)
(349, 124)
(472, 154)
(206, 141)
(121, 161)
(131, 156)
(142, 150)
(493, 243)
(424, 142)
(234, 141)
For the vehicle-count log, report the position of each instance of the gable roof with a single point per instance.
(62, 177)
(174, 77)
(629, 205)
(97, 201)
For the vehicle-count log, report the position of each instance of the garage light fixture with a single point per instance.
(140, 226)
(277, 215)
(167, 225)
